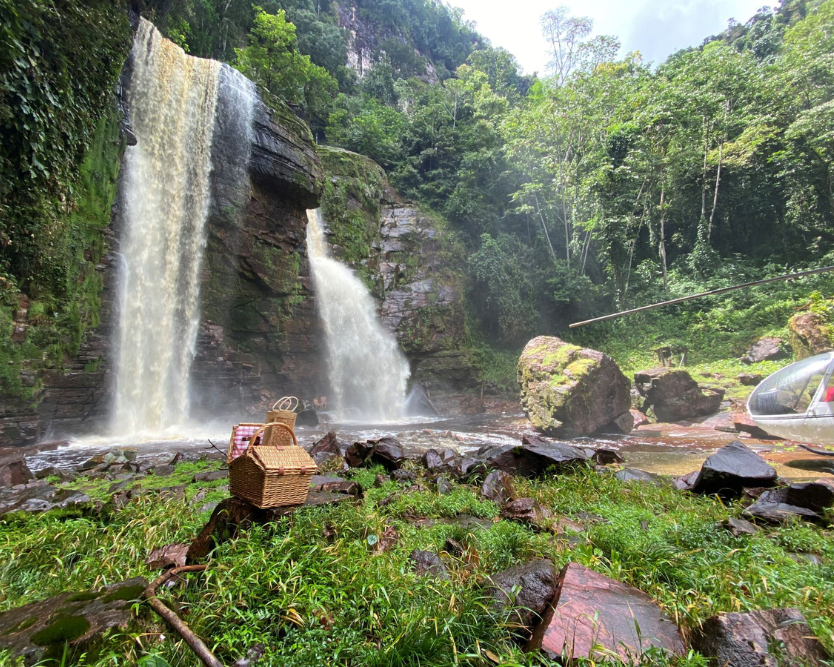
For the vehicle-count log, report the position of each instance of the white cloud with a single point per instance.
(656, 28)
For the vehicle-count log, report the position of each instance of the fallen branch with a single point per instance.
(818, 452)
(175, 621)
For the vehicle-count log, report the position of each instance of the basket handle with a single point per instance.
(291, 403)
(261, 430)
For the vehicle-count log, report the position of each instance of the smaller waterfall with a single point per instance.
(368, 373)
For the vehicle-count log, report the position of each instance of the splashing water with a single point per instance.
(173, 99)
(367, 371)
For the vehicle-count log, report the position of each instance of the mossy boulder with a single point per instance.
(567, 390)
(809, 334)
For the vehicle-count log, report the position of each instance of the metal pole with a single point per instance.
(698, 296)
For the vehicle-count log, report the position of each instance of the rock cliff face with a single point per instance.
(258, 335)
(406, 257)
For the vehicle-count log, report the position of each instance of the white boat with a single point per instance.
(797, 402)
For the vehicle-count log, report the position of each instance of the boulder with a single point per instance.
(498, 487)
(817, 496)
(40, 630)
(809, 334)
(525, 589)
(427, 563)
(14, 471)
(592, 615)
(388, 452)
(766, 638)
(532, 458)
(764, 349)
(673, 395)
(330, 445)
(440, 460)
(568, 390)
(731, 469)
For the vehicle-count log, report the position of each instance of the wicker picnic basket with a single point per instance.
(283, 412)
(272, 476)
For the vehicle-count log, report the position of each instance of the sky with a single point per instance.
(655, 28)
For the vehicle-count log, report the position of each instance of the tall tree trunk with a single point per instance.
(717, 183)
(544, 227)
(704, 172)
(663, 233)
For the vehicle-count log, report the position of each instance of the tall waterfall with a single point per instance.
(173, 100)
(368, 373)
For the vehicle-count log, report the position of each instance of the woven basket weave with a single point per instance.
(269, 476)
(283, 412)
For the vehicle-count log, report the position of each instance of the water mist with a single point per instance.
(367, 371)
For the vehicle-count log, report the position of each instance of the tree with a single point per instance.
(564, 34)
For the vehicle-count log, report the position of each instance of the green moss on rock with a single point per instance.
(61, 629)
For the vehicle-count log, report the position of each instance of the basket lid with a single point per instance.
(291, 459)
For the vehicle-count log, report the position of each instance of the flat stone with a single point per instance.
(234, 514)
(498, 487)
(404, 475)
(591, 612)
(428, 563)
(211, 476)
(731, 469)
(526, 589)
(39, 630)
(165, 470)
(636, 475)
(171, 555)
(766, 638)
(741, 527)
(533, 458)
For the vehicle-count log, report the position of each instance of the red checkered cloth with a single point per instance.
(241, 435)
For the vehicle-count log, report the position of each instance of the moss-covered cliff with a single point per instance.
(409, 258)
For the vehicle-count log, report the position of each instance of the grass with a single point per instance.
(313, 590)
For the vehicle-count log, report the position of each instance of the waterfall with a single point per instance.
(367, 371)
(173, 100)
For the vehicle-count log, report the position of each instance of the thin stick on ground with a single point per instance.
(175, 621)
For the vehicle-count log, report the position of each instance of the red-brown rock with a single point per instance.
(768, 638)
(591, 613)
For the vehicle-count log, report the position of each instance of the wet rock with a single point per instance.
(533, 458)
(33, 497)
(686, 482)
(171, 555)
(335, 484)
(358, 453)
(211, 476)
(749, 379)
(40, 630)
(498, 487)
(526, 589)
(51, 471)
(330, 445)
(427, 563)
(742, 423)
(253, 655)
(528, 512)
(444, 485)
(440, 460)
(178, 457)
(740, 527)
(640, 419)
(731, 469)
(14, 471)
(468, 467)
(773, 507)
(404, 475)
(607, 457)
(767, 638)
(674, 396)
(234, 514)
(591, 612)
(764, 349)
(809, 334)
(816, 496)
(164, 470)
(307, 418)
(388, 452)
(636, 475)
(568, 390)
